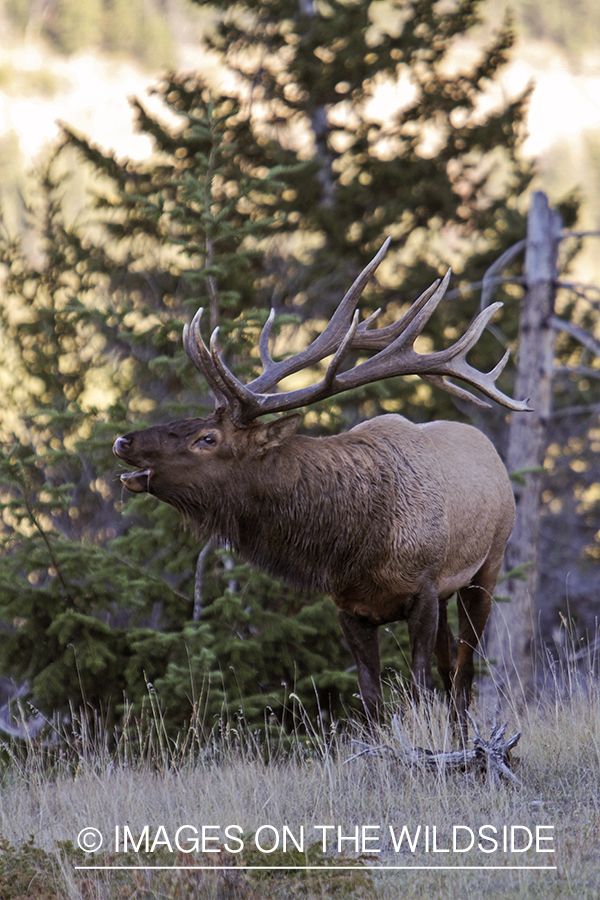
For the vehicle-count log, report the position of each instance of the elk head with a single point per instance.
(177, 457)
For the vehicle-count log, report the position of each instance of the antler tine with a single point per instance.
(423, 310)
(381, 337)
(456, 391)
(454, 363)
(343, 314)
(263, 342)
(198, 354)
(334, 365)
(189, 348)
(475, 330)
(329, 340)
(499, 367)
(234, 390)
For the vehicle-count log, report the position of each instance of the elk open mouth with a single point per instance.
(138, 482)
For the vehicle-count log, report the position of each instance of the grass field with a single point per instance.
(224, 801)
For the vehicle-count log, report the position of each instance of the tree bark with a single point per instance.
(510, 643)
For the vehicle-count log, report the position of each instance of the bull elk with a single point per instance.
(390, 518)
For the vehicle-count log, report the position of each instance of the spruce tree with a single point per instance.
(97, 602)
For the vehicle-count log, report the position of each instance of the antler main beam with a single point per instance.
(395, 356)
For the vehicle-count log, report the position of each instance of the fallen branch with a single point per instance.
(489, 757)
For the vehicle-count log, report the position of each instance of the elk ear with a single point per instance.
(269, 435)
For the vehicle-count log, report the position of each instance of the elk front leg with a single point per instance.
(362, 638)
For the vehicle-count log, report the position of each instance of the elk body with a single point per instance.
(390, 518)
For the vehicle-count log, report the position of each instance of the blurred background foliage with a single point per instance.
(136, 28)
(272, 187)
(147, 29)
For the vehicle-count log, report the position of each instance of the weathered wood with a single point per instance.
(510, 633)
(487, 757)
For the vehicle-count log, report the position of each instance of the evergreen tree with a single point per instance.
(96, 603)
(72, 606)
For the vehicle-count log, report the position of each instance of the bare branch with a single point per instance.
(199, 580)
(578, 333)
(575, 411)
(489, 757)
(461, 289)
(584, 371)
(489, 279)
(578, 286)
(579, 234)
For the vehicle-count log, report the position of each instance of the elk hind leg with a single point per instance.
(474, 606)
(422, 632)
(445, 648)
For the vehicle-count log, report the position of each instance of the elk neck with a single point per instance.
(319, 512)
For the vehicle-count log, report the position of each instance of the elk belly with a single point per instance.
(448, 585)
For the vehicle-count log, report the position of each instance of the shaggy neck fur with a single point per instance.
(318, 512)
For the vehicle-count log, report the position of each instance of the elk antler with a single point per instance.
(395, 356)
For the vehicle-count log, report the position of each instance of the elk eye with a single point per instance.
(205, 440)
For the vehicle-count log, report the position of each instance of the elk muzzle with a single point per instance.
(137, 482)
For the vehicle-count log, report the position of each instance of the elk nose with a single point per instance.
(121, 445)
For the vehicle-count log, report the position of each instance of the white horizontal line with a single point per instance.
(323, 868)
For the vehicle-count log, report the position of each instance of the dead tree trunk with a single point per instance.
(511, 631)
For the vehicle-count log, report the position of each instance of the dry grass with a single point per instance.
(49, 797)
